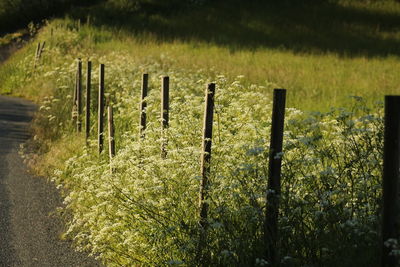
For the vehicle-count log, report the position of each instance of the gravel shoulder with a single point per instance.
(29, 226)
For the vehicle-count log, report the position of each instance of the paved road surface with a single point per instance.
(29, 227)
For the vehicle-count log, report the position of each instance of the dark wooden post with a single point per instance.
(164, 113)
(111, 140)
(143, 104)
(205, 171)
(391, 176)
(274, 177)
(79, 97)
(88, 91)
(101, 109)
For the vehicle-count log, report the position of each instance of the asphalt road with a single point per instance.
(29, 226)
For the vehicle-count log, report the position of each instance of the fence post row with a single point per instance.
(274, 177)
(143, 105)
(79, 96)
(88, 91)
(101, 109)
(164, 113)
(391, 168)
(205, 171)
(391, 177)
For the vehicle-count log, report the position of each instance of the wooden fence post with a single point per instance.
(391, 176)
(111, 140)
(74, 101)
(41, 50)
(101, 109)
(274, 177)
(79, 97)
(37, 50)
(88, 91)
(36, 55)
(164, 113)
(202, 258)
(143, 105)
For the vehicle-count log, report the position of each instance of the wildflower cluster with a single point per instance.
(146, 211)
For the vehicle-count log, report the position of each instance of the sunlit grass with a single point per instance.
(321, 60)
(318, 74)
(314, 81)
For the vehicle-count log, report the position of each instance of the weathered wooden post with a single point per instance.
(88, 91)
(79, 96)
(391, 176)
(36, 55)
(101, 109)
(111, 140)
(205, 172)
(143, 105)
(274, 177)
(74, 101)
(37, 50)
(41, 50)
(164, 113)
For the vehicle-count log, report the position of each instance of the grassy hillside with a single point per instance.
(146, 211)
(322, 51)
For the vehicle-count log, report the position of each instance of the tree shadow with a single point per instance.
(312, 27)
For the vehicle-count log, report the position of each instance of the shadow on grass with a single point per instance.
(320, 27)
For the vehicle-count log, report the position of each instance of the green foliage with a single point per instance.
(146, 211)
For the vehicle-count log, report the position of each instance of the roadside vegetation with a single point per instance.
(336, 58)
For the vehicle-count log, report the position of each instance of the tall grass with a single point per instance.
(145, 213)
(322, 51)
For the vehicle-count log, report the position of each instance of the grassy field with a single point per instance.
(323, 52)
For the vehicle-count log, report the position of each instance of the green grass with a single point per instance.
(322, 52)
